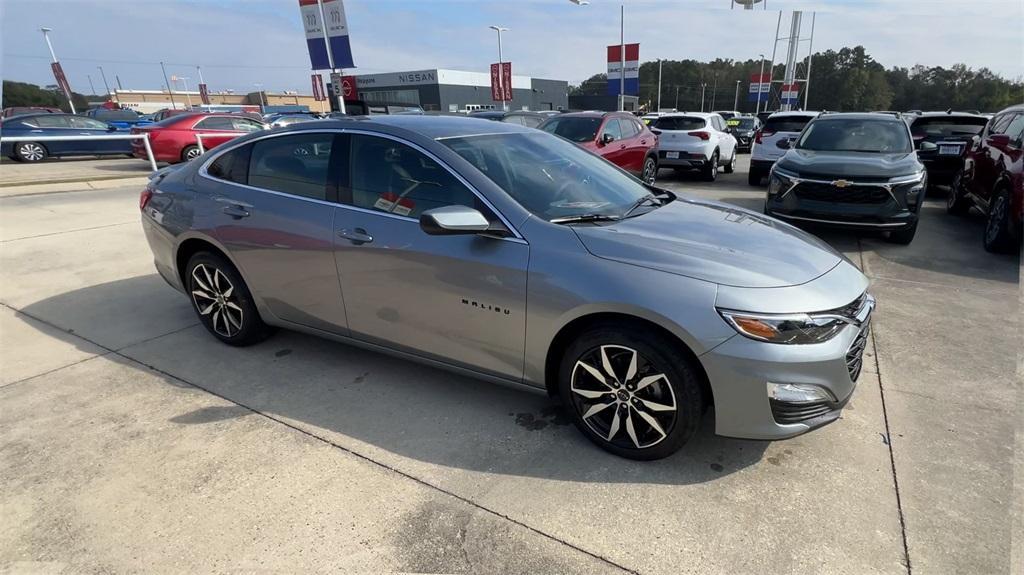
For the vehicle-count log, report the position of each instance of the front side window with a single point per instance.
(296, 164)
(391, 177)
(550, 177)
(49, 122)
(849, 135)
(245, 125)
(87, 124)
(611, 127)
(1016, 128)
(574, 129)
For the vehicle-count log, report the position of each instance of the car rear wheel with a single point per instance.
(650, 173)
(631, 392)
(710, 171)
(190, 153)
(957, 202)
(223, 301)
(998, 236)
(30, 152)
(754, 177)
(731, 166)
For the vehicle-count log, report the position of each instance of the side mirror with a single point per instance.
(111, 128)
(606, 139)
(927, 146)
(453, 220)
(999, 140)
(655, 132)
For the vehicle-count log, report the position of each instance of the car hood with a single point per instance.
(808, 163)
(713, 242)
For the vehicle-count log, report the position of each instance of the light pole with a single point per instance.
(501, 75)
(659, 85)
(64, 86)
(736, 98)
(184, 81)
(622, 57)
(263, 96)
(677, 98)
(104, 76)
(760, 81)
(703, 85)
(92, 90)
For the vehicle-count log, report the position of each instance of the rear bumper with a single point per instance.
(685, 159)
(763, 166)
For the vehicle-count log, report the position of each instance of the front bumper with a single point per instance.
(740, 369)
(867, 206)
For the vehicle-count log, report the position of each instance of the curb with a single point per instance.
(61, 187)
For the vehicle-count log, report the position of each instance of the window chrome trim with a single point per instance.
(204, 173)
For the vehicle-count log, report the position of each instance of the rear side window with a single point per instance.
(679, 123)
(786, 123)
(939, 128)
(216, 123)
(232, 166)
(388, 176)
(295, 164)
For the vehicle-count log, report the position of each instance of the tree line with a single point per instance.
(845, 80)
(23, 94)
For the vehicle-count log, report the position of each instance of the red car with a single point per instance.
(174, 139)
(993, 180)
(618, 137)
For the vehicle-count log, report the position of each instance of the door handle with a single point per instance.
(236, 212)
(357, 236)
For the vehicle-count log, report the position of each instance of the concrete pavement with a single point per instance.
(132, 441)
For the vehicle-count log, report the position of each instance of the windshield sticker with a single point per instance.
(579, 205)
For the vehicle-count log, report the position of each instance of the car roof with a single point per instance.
(947, 115)
(859, 116)
(433, 127)
(793, 114)
(704, 115)
(594, 114)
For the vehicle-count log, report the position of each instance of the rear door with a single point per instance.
(270, 205)
(90, 127)
(459, 299)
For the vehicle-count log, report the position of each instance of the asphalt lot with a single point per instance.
(131, 441)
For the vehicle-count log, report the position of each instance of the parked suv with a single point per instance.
(772, 141)
(993, 180)
(851, 170)
(618, 137)
(743, 129)
(942, 140)
(695, 141)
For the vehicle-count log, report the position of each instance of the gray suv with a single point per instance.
(512, 255)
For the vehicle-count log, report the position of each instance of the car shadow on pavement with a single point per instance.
(393, 411)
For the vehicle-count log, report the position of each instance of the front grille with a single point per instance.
(855, 355)
(852, 194)
(785, 412)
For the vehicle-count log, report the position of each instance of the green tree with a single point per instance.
(23, 94)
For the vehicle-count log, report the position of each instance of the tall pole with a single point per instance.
(184, 80)
(810, 56)
(501, 75)
(170, 90)
(659, 85)
(118, 80)
(703, 85)
(104, 76)
(200, 72)
(330, 56)
(92, 90)
(736, 98)
(67, 89)
(622, 57)
(677, 97)
(771, 68)
(760, 82)
(714, 92)
(791, 53)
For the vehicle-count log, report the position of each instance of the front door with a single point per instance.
(460, 299)
(270, 208)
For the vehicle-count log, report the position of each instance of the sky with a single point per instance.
(241, 43)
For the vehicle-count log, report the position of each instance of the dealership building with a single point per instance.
(455, 91)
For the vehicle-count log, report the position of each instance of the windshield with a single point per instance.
(934, 129)
(742, 123)
(839, 135)
(550, 177)
(575, 129)
(679, 123)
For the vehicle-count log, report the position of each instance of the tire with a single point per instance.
(957, 203)
(231, 318)
(190, 153)
(903, 236)
(754, 177)
(731, 166)
(710, 170)
(650, 172)
(998, 236)
(633, 436)
(30, 152)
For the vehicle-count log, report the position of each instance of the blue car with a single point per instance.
(39, 125)
(123, 119)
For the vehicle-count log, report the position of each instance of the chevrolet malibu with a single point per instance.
(511, 255)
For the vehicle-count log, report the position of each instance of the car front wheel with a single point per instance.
(631, 392)
(223, 301)
(30, 152)
(957, 202)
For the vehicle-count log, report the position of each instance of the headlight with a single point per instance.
(914, 184)
(779, 182)
(785, 328)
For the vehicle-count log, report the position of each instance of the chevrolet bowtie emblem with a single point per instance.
(841, 183)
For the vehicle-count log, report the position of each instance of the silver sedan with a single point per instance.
(511, 255)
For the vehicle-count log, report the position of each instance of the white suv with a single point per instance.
(695, 141)
(773, 140)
